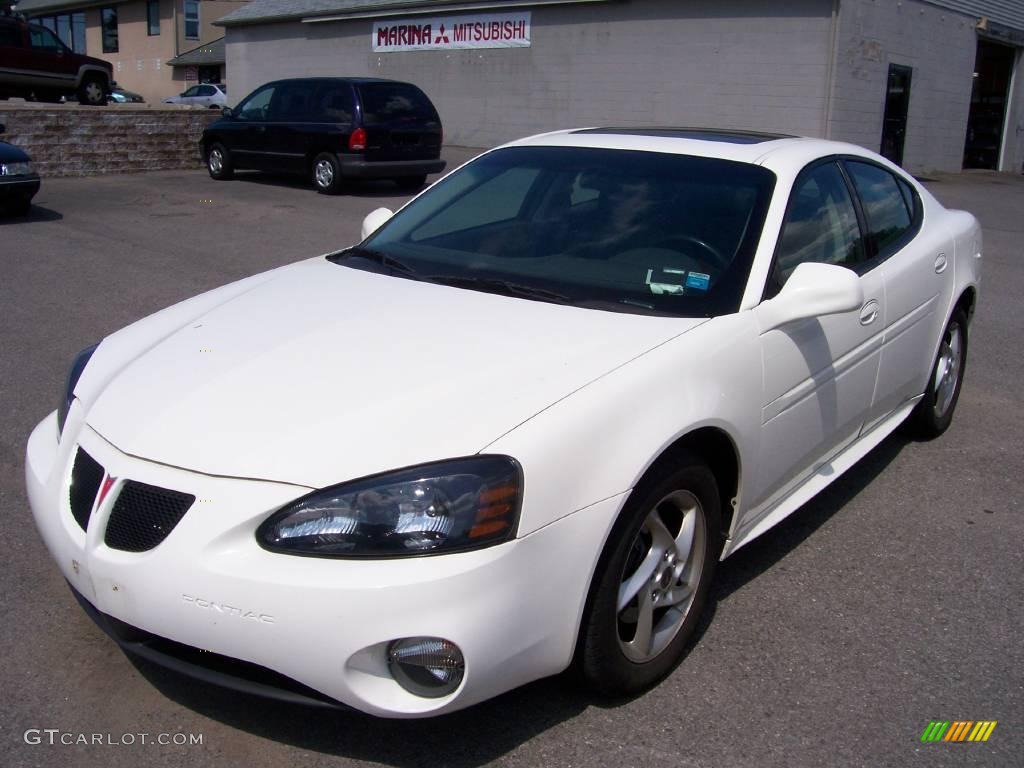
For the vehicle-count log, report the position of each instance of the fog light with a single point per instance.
(426, 666)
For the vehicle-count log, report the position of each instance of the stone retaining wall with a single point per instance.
(71, 140)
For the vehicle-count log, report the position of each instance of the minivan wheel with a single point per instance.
(218, 162)
(327, 174)
(652, 581)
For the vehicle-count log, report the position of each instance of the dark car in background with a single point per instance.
(331, 130)
(18, 182)
(35, 63)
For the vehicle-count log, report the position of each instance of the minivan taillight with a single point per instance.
(357, 140)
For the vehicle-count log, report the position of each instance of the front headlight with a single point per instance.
(447, 506)
(15, 169)
(74, 374)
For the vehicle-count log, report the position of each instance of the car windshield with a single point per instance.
(610, 229)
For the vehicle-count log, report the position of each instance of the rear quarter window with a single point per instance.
(890, 216)
(395, 102)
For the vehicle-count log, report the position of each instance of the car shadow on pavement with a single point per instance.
(354, 188)
(768, 550)
(465, 739)
(37, 214)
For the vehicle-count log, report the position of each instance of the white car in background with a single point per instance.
(210, 95)
(513, 429)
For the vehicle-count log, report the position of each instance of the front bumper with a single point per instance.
(513, 609)
(18, 189)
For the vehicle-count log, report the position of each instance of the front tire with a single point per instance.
(934, 413)
(93, 92)
(327, 174)
(218, 162)
(652, 581)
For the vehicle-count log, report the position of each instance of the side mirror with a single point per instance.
(374, 220)
(3, 128)
(226, 112)
(812, 290)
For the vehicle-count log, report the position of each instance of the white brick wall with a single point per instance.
(724, 63)
(938, 44)
(721, 63)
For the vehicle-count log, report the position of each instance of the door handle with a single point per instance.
(869, 312)
(941, 263)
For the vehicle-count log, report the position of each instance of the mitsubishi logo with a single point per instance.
(442, 37)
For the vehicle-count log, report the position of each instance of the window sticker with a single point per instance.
(698, 280)
(664, 280)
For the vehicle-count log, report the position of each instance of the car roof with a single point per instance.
(773, 150)
(356, 80)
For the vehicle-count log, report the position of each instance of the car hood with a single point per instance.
(322, 373)
(12, 154)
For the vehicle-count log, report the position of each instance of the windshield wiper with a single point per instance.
(503, 287)
(377, 257)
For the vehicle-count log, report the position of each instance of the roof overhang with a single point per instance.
(386, 10)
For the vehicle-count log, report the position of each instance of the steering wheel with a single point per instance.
(717, 259)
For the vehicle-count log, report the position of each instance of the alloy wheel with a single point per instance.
(661, 576)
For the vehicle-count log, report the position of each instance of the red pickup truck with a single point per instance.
(35, 63)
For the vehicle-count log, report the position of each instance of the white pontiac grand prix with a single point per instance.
(515, 428)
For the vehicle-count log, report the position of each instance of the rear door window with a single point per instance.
(294, 102)
(333, 103)
(889, 213)
(394, 102)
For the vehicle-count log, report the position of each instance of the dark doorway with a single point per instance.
(992, 69)
(894, 122)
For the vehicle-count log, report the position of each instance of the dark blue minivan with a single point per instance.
(329, 129)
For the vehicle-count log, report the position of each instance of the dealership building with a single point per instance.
(933, 84)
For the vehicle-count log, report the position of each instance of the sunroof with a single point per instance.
(700, 134)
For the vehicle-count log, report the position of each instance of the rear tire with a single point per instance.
(652, 581)
(327, 174)
(93, 91)
(218, 162)
(934, 413)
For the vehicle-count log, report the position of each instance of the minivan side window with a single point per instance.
(394, 102)
(820, 225)
(257, 106)
(889, 216)
(333, 103)
(294, 102)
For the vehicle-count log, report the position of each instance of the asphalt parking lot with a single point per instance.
(893, 599)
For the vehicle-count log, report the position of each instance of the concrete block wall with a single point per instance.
(718, 63)
(70, 140)
(939, 45)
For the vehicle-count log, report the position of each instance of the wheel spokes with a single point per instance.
(642, 638)
(640, 578)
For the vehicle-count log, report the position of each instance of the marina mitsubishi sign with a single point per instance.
(445, 33)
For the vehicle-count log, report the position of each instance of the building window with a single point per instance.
(69, 27)
(191, 19)
(153, 17)
(109, 24)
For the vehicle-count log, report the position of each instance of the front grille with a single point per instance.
(144, 515)
(86, 476)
